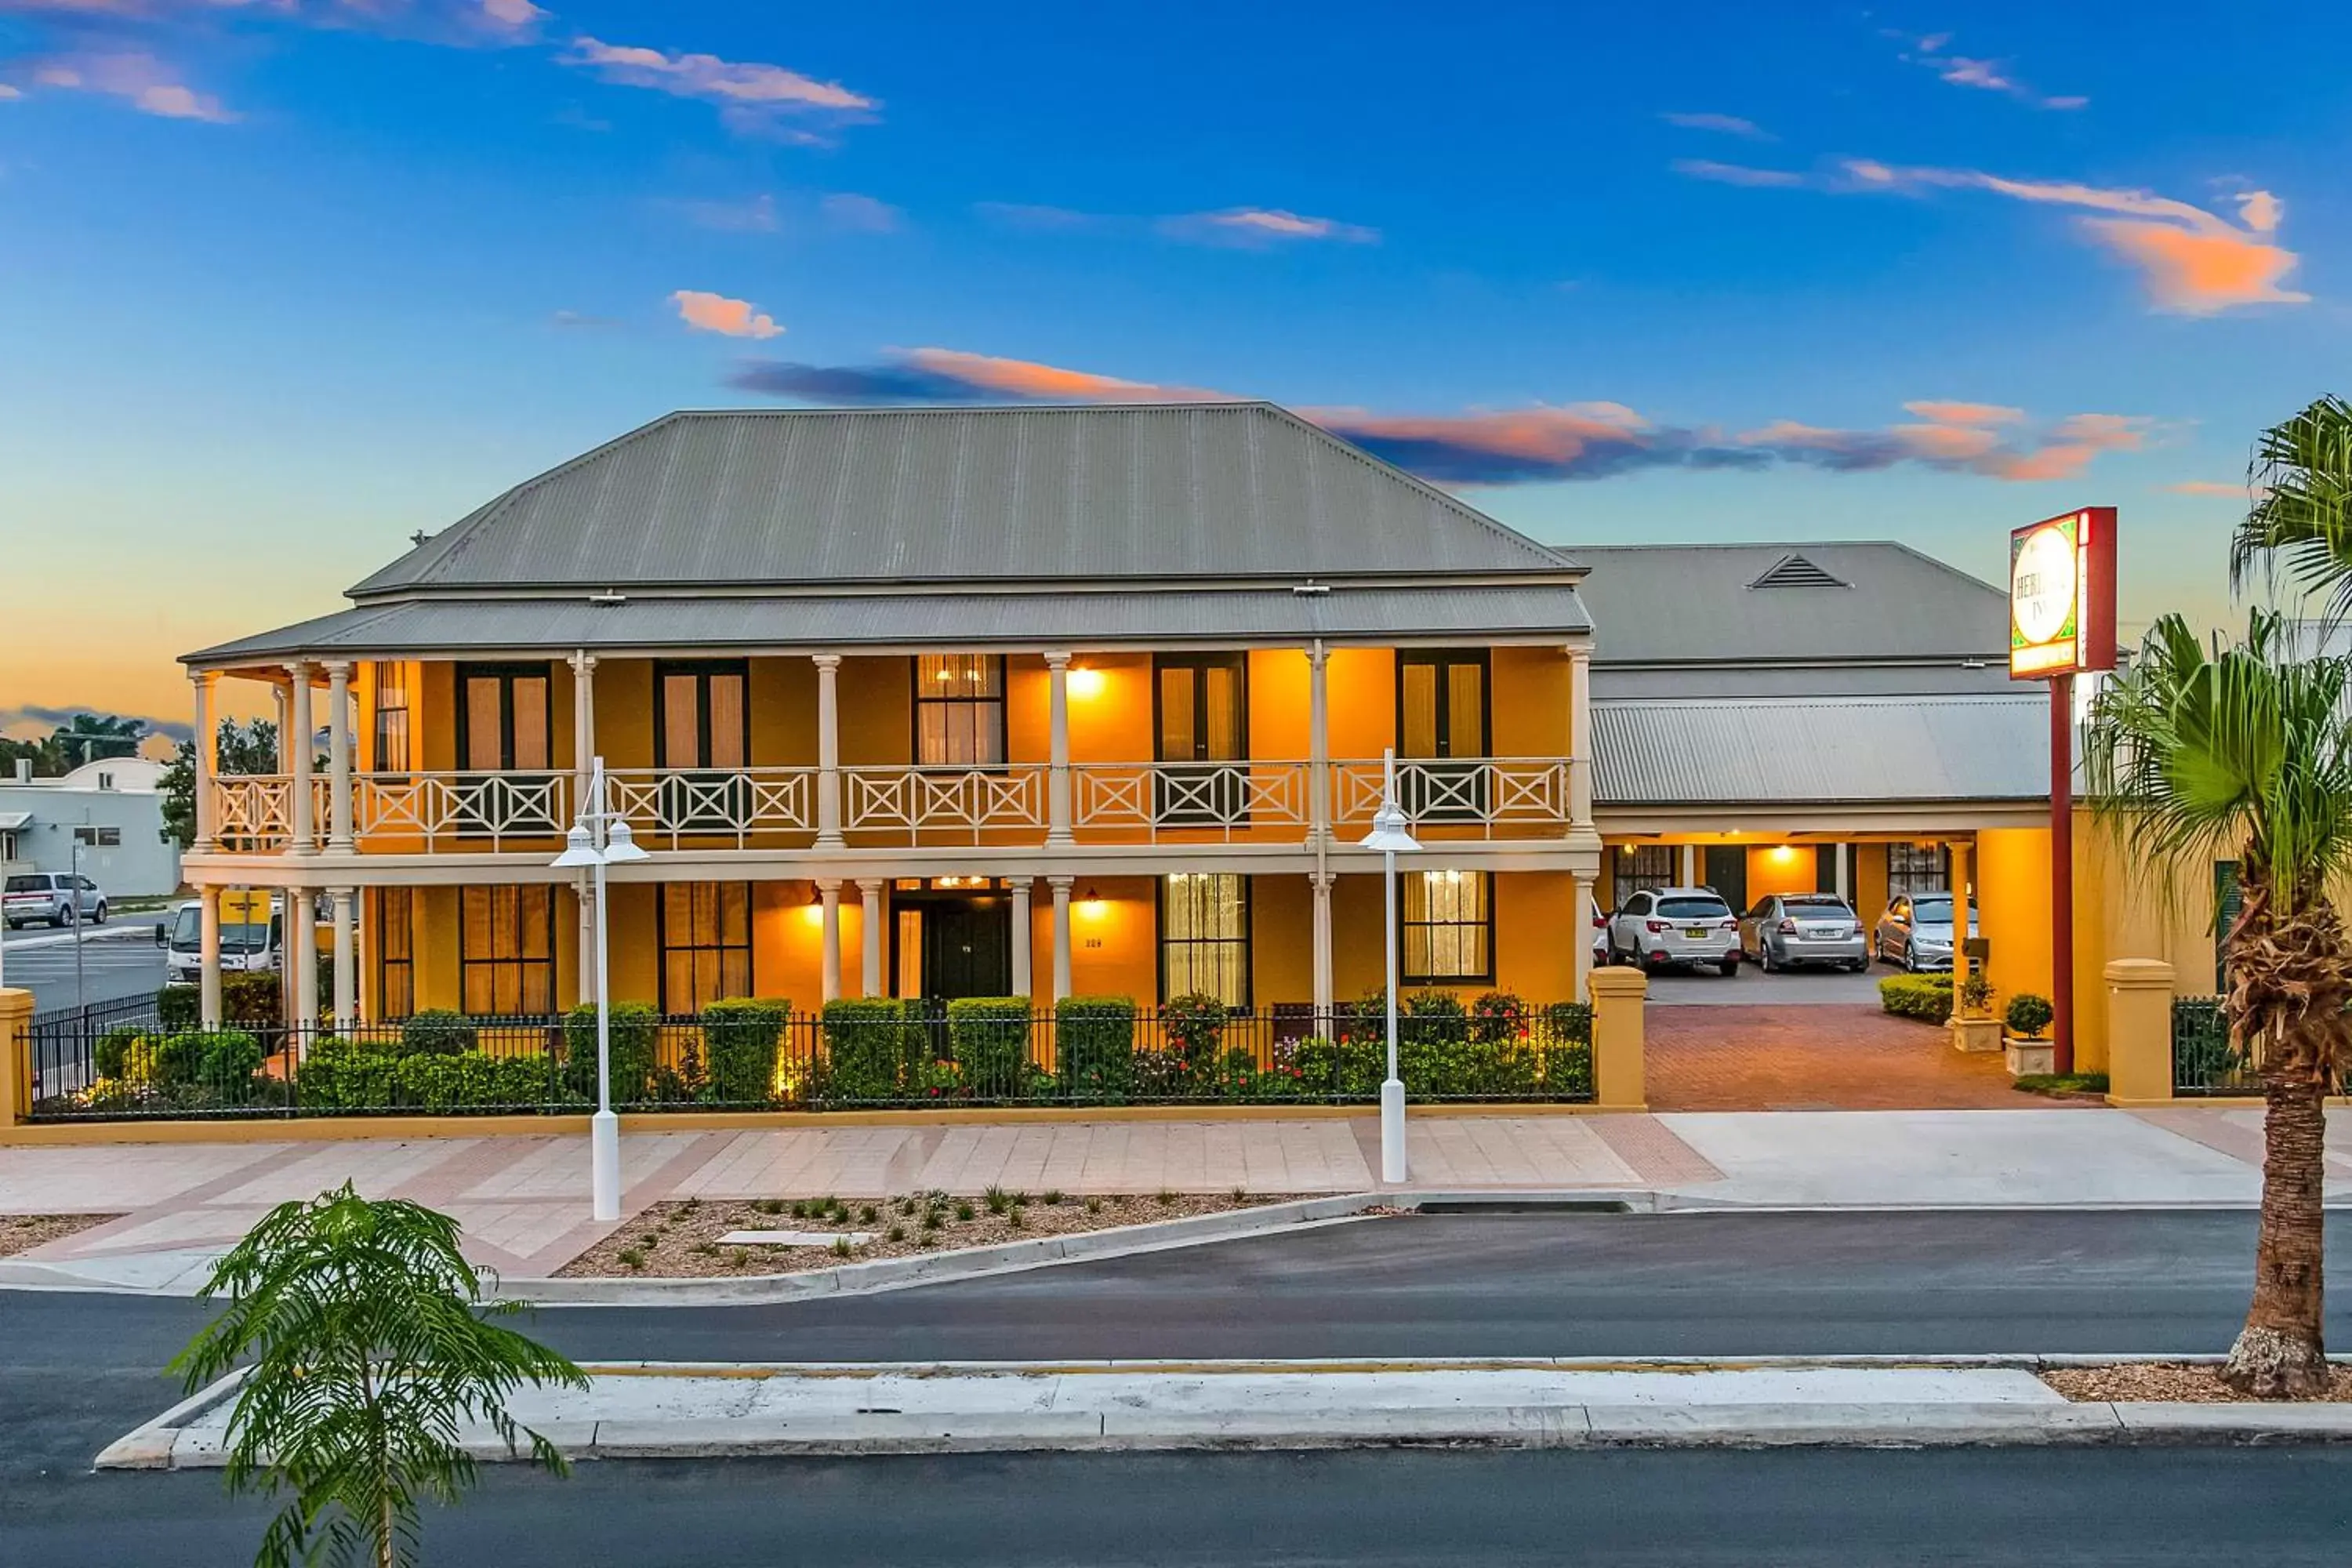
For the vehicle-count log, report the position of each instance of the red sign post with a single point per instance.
(2062, 620)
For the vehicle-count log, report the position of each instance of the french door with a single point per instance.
(702, 735)
(1445, 726)
(506, 742)
(1201, 712)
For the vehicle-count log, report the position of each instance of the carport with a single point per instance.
(1816, 718)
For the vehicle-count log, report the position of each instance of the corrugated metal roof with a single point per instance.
(1796, 751)
(1696, 603)
(941, 620)
(811, 496)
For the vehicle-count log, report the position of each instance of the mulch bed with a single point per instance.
(24, 1232)
(2170, 1382)
(680, 1241)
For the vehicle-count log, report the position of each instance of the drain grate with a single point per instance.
(1525, 1206)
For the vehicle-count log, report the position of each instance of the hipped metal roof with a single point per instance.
(960, 495)
(956, 527)
(1961, 747)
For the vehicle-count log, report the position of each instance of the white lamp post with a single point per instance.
(1390, 837)
(599, 839)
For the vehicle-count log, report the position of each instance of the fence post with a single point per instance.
(2139, 1031)
(15, 1057)
(1617, 997)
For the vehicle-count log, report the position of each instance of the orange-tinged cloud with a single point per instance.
(2199, 274)
(1022, 378)
(710, 312)
(2235, 490)
(1265, 225)
(141, 80)
(1949, 413)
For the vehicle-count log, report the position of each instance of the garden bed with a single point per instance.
(680, 1241)
(24, 1232)
(2170, 1382)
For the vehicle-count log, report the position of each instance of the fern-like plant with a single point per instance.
(373, 1349)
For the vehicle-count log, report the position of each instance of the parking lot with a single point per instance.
(1752, 987)
(120, 959)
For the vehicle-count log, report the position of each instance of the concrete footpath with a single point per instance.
(655, 1410)
(524, 1200)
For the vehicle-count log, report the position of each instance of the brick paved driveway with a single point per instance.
(1818, 1057)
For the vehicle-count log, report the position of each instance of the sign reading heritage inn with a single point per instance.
(2061, 595)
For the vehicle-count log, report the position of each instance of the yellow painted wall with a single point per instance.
(1114, 725)
(784, 712)
(1363, 686)
(1782, 869)
(1530, 702)
(1537, 928)
(1870, 881)
(1281, 705)
(1282, 940)
(877, 713)
(1114, 941)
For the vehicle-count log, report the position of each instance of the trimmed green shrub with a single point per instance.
(1927, 997)
(473, 1081)
(742, 1043)
(1192, 1030)
(1498, 1017)
(1094, 1040)
(870, 1045)
(117, 1049)
(2030, 1015)
(252, 999)
(636, 1037)
(988, 1036)
(1350, 1067)
(440, 1032)
(179, 1057)
(230, 1057)
(1566, 1023)
(179, 1007)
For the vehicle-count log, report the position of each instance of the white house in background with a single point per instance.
(113, 809)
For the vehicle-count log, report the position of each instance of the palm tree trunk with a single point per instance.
(2280, 1353)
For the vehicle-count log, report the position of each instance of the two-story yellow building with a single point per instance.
(932, 703)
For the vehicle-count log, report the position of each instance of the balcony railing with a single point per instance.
(1012, 807)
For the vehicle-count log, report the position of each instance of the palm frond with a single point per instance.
(2298, 529)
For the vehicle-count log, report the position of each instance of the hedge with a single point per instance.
(634, 1040)
(870, 1045)
(249, 1000)
(988, 1039)
(1094, 1047)
(742, 1045)
(351, 1076)
(440, 1032)
(1927, 997)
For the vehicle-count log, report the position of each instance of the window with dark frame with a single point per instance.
(1204, 936)
(1448, 928)
(1200, 706)
(504, 720)
(97, 837)
(705, 932)
(1444, 714)
(1917, 868)
(506, 952)
(702, 739)
(395, 952)
(960, 709)
(391, 683)
(1642, 869)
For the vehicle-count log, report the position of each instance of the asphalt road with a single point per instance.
(80, 1370)
(111, 965)
(2271, 1506)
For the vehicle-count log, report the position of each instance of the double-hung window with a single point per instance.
(1204, 936)
(1448, 928)
(960, 711)
(1201, 703)
(702, 742)
(706, 943)
(390, 750)
(506, 741)
(1917, 868)
(395, 952)
(505, 951)
(1642, 867)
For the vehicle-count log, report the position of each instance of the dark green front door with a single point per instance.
(1726, 872)
(967, 947)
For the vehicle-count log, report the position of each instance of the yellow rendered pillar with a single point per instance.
(1617, 996)
(15, 1058)
(2139, 1031)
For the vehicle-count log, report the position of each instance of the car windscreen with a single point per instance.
(187, 928)
(1694, 909)
(1817, 904)
(1933, 911)
(28, 885)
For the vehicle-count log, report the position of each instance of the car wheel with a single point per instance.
(1764, 958)
(98, 916)
(1910, 959)
(60, 917)
(1731, 969)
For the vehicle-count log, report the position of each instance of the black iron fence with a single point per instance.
(2203, 1061)
(856, 1054)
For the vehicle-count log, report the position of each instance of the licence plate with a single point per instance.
(1697, 933)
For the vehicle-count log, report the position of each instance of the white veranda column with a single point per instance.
(1325, 1001)
(583, 772)
(303, 953)
(339, 760)
(301, 817)
(1690, 866)
(1580, 921)
(207, 746)
(869, 936)
(347, 974)
(1959, 849)
(1057, 777)
(208, 955)
(828, 751)
(1023, 985)
(829, 895)
(1061, 886)
(1318, 743)
(1580, 735)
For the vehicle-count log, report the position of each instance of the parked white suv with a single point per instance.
(50, 896)
(1675, 926)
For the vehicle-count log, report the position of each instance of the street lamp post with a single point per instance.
(599, 839)
(1390, 836)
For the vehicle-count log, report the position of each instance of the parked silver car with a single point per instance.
(1915, 932)
(1788, 930)
(1673, 927)
(50, 896)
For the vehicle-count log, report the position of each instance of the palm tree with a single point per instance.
(372, 1350)
(2244, 752)
(2299, 525)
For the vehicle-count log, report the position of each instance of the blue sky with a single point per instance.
(282, 282)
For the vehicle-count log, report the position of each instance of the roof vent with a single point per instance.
(608, 599)
(1793, 571)
(1310, 587)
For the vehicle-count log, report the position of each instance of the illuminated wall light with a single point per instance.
(1091, 904)
(1086, 682)
(1782, 853)
(813, 910)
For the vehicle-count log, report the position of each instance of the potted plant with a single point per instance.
(1973, 1026)
(2027, 1050)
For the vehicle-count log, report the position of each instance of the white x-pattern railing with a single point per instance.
(1488, 792)
(461, 811)
(1187, 799)
(756, 808)
(917, 805)
(254, 811)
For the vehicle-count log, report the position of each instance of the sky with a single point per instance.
(284, 281)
